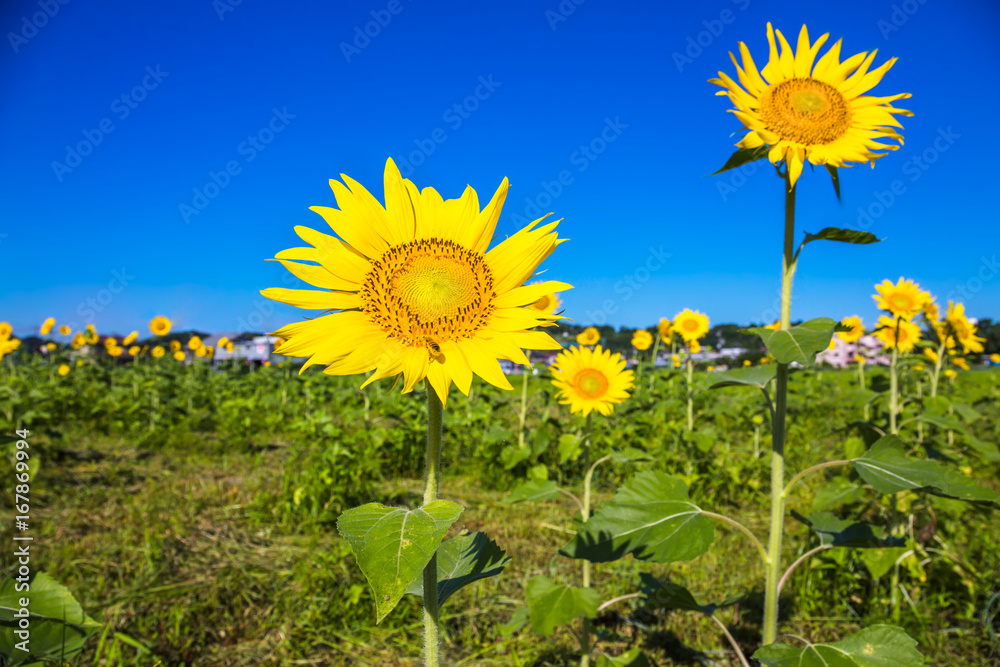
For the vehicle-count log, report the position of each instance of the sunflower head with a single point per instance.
(856, 332)
(802, 108)
(64, 330)
(160, 325)
(175, 346)
(900, 333)
(129, 339)
(591, 379)
(414, 289)
(547, 304)
(179, 355)
(904, 299)
(694, 347)
(47, 326)
(79, 340)
(666, 329)
(642, 339)
(158, 351)
(115, 351)
(691, 325)
(134, 351)
(962, 329)
(223, 342)
(931, 354)
(5, 330)
(63, 369)
(961, 362)
(110, 342)
(589, 336)
(860, 359)
(950, 373)
(194, 343)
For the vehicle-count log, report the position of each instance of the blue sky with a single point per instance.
(611, 97)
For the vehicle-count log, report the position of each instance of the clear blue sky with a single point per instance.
(203, 84)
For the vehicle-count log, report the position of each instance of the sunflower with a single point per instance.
(905, 338)
(919, 368)
(691, 325)
(194, 343)
(64, 330)
(856, 332)
(129, 339)
(591, 379)
(950, 373)
(547, 303)
(158, 352)
(961, 363)
(694, 347)
(63, 369)
(133, 351)
(115, 351)
(47, 326)
(5, 330)
(50, 346)
(110, 342)
(230, 347)
(931, 354)
(860, 359)
(676, 359)
(201, 351)
(804, 109)
(415, 288)
(179, 355)
(666, 329)
(160, 325)
(9, 345)
(904, 299)
(79, 340)
(642, 339)
(963, 329)
(747, 362)
(224, 341)
(995, 358)
(589, 336)
(175, 346)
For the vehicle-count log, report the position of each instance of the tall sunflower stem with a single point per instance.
(773, 568)
(690, 391)
(585, 515)
(656, 350)
(522, 417)
(435, 418)
(894, 386)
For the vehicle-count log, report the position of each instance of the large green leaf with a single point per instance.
(755, 376)
(393, 545)
(800, 343)
(629, 455)
(743, 156)
(841, 235)
(886, 467)
(836, 532)
(987, 450)
(880, 561)
(875, 646)
(58, 626)
(837, 491)
(536, 489)
(551, 605)
(668, 595)
(461, 560)
(650, 517)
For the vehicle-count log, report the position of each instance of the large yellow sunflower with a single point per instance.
(904, 299)
(691, 325)
(589, 336)
(642, 339)
(160, 325)
(415, 289)
(804, 109)
(591, 379)
(905, 337)
(856, 332)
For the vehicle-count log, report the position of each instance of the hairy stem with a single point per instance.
(435, 414)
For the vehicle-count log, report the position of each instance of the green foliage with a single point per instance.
(551, 605)
(877, 646)
(799, 344)
(462, 560)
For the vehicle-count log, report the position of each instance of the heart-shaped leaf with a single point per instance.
(393, 545)
(668, 595)
(650, 517)
(800, 343)
(876, 646)
(886, 467)
(461, 560)
(551, 605)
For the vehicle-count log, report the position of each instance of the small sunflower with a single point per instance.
(747, 362)
(919, 368)
(129, 339)
(905, 336)
(694, 347)
(201, 351)
(64, 330)
(50, 346)
(804, 109)
(415, 289)
(642, 340)
(963, 329)
(179, 355)
(961, 362)
(223, 342)
(856, 332)
(158, 351)
(666, 328)
(194, 343)
(547, 303)
(860, 359)
(160, 325)
(995, 358)
(63, 369)
(79, 340)
(676, 359)
(133, 351)
(230, 347)
(589, 336)
(115, 351)
(691, 325)
(110, 342)
(904, 299)
(47, 326)
(5, 330)
(931, 354)
(591, 380)
(950, 373)
(175, 346)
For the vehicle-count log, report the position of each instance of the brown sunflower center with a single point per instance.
(591, 383)
(806, 111)
(429, 291)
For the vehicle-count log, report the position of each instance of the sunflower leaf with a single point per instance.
(836, 532)
(462, 560)
(800, 343)
(755, 376)
(551, 604)
(886, 468)
(393, 545)
(668, 595)
(650, 517)
(741, 157)
(875, 646)
(841, 235)
(536, 489)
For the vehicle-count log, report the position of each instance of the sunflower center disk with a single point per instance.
(591, 383)
(806, 111)
(901, 302)
(429, 291)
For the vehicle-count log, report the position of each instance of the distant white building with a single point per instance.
(257, 349)
(842, 355)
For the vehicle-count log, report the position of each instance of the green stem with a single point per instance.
(690, 391)
(770, 632)
(585, 515)
(638, 372)
(524, 406)
(656, 349)
(894, 387)
(435, 414)
(942, 350)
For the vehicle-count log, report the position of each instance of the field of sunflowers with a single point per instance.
(608, 498)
